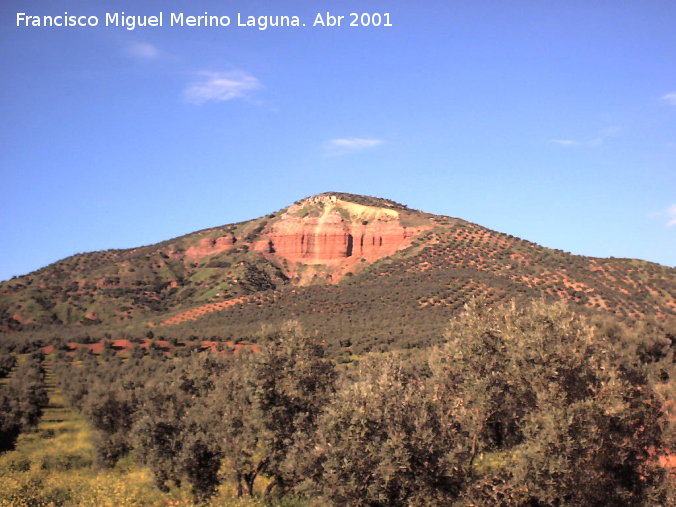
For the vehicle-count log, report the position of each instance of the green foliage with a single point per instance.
(165, 410)
(555, 415)
(383, 442)
(173, 431)
(7, 362)
(110, 411)
(240, 430)
(293, 382)
(201, 455)
(530, 405)
(524, 405)
(22, 400)
(51, 465)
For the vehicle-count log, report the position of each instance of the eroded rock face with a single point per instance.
(334, 240)
(321, 238)
(339, 235)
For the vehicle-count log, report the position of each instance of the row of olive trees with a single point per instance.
(520, 406)
(22, 399)
(195, 419)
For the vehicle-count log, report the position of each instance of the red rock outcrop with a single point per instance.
(20, 319)
(338, 235)
(332, 240)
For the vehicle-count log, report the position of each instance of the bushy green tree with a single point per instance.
(7, 362)
(158, 430)
(110, 410)
(383, 442)
(293, 382)
(201, 454)
(530, 406)
(240, 430)
(554, 414)
(22, 400)
(174, 430)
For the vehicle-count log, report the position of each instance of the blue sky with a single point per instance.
(554, 121)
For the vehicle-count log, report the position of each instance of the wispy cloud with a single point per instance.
(143, 50)
(344, 145)
(220, 86)
(670, 98)
(605, 134)
(671, 215)
(668, 214)
(566, 142)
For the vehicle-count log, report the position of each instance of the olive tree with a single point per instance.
(554, 413)
(173, 431)
(292, 382)
(22, 400)
(382, 442)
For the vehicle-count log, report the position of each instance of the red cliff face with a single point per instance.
(319, 239)
(337, 235)
(334, 240)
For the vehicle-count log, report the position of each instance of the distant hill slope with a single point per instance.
(345, 265)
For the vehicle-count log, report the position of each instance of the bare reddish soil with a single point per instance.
(208, 246)
(196, 313)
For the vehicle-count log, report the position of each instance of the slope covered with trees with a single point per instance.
(364, 271)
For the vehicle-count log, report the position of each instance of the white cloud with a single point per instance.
(670, 98)
(351, 144)
(671, 215)
(220, 86)
(605, 134)
(143, 50)
(566, 142)
(668, 214)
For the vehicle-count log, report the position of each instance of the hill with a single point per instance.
(357, 270)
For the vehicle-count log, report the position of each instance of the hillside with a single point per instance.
(356, 269)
